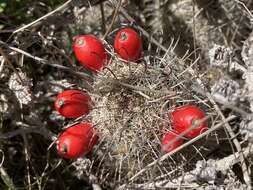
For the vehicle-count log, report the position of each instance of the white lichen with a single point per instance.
(3, 103)
(248, 87)
(21, 85)
(56, 117)
(220, 56)
(246, 129)
(82, 166)
(226, 90)
(6, 108)
(235, 66)
(57, 86)
(206, 171)
(247, 51)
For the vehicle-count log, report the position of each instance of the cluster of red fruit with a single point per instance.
(79, 139)
(187, 120)
(90, 51)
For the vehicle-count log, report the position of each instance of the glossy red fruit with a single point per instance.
(169, 141)
(73, 103)
(128, 44)
(182, 118)
(90, 52)
(77, 141)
